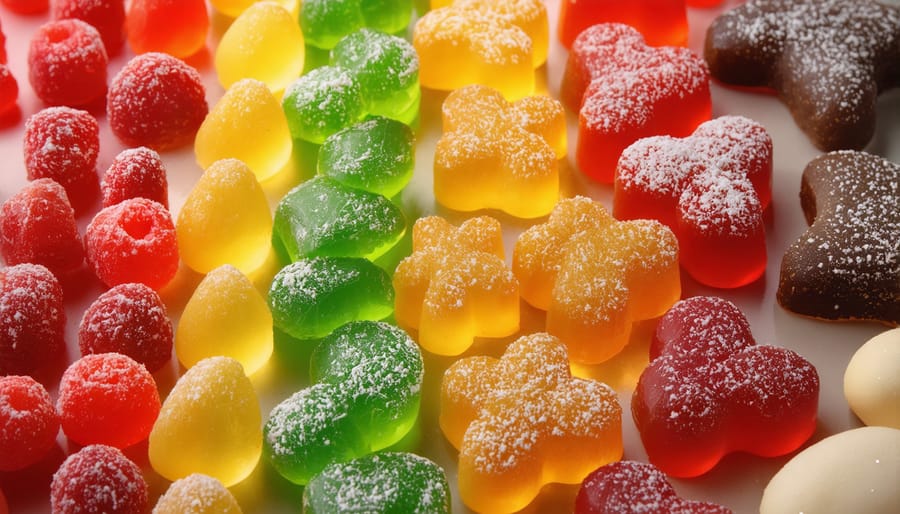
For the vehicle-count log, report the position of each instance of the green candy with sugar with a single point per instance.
(325, 22)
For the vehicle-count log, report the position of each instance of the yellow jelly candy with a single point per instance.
(225, 220)
(210, 423)
(247, 123)
(197, 494)
(233, 8)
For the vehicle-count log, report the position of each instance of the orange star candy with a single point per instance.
(524, 421)
(595, 276)
(456, 285)
(500, 155)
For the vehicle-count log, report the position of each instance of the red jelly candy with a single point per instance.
(26, 6)
(107, 16)
(662, 22)
(135, 173)
(625, 90)
(107, 398)
(32, 318)
(709, 391)
(2, 46)
(67, 63)
(37, 225)
(133, 241)
(98, 478)
(156, 100)
(9, 90)
(176, 27)
(28, 422)
(129, 319)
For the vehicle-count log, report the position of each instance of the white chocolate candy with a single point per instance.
(872, 381)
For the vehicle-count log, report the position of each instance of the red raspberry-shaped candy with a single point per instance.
(135, 173)
(158, 101)
(26, 6)
(9, 90)
(107, 16)
(129, 319)
(98, 478)
(176, 27)
(67, 63)
(28, 422)
(133, 241)
(32, 318)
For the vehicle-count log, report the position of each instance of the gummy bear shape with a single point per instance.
(367, 379)
(523, 421)
(456, 285)
(500, 155)
(595, 276)
(497, 43)
(625, 90)
(709, 391)
(325, 22)
(711, 189)
(662, 22)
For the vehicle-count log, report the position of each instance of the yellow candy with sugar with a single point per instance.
(197, 494)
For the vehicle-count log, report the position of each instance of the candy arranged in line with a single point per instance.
(197, 494)
(32, 318)
(29, 422)
(326, 22)
(872, 380)
(98, 478)
(67, 63)
(661, 23)
(135, 173)
(174, 27)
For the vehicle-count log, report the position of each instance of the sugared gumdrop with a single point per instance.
(67, 63)
(98, 478)
(28, 422)
(107, 16)
(32, 318)
(197, 494)
(135, 173)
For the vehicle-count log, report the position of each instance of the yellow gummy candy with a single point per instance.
(197, 494)
(234, 8)
(247, 123)
(210, 423)
(225, 220)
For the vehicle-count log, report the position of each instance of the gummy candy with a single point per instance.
(107, 16)
(494, 154)
(210, 423)
(135, 173)
(523, 421)
(212, 232)
(497, 43)
(174, 27)
(322, 102)
(98, 478)
(711, 189)
(380, 482)
(595, 276)
(456, 285)
(325, 22)
(312, 297)
(365, 396)
(26, 6)
(322, 217)
(9, 90)
(226, 316)
(662, 22)
(197, 494)
(624, 90)
(32, 318)
(28, 422)
(67, 63)
(709, 390)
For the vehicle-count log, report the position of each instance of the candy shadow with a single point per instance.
(28, 490)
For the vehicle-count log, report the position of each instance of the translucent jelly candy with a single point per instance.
(226, 316)
(264, 43)
(197, 494)
(322, 217)
(639, 486)
(107, 16)
(495, 43)
(107, 398)
(135, 173)
(247, 123)
(312, 297)
(175, 27)
(32, 318)
(325, 22)
(98, 478)
(376, 155)
(365, 397)
(624, 90)
(381, 482)
(522, 421)
(661, 22)
(711, 189)
(494, 154)
(210, 423)
(67, 63)
(709, 390)
(595, 276)
(456, 285)
(212, 231)
(322, 102)
(28, 422)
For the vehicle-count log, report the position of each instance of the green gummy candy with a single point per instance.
(322, 102)
(366, 391)
(377, 155)
(312, 297)
(325, 22)
(386, 483)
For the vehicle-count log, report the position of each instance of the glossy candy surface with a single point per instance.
(32, 318)
(662, 22)
(175, 27)
(325, 22)
(29, 422)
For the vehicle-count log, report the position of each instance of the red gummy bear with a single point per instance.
(709, 390)
(625, 90)
(711, 189)
(662, 22)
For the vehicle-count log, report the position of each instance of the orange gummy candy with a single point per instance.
(175, 27)
(456, 285)
(662, 22)
(500, 155)
(524, 421)
(595, 276)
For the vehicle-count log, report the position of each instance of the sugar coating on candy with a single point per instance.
(367, 379)
(325, 22)
(828, 60)
(32, 318)
(710, 390)
(67, 63)
(322, 102)
(197, 494)
(456, 285)
(135, 173)
(523, 421)
(107, 16)
(28, 422)
(175, 27)
(98, 478)
(661, 23)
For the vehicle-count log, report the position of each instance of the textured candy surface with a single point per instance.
(28, 422)
(325, 22)
(135, 173)
(522, 421)
(32, 318)
(174, 27)
(98, 478)
(662, 23)
(107, 16)
(322, 102)
(197, 494)
(67, 63)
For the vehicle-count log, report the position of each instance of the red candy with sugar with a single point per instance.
(26, 6)
(98, 478)
(107, 16)
(135, 173)
(176, 27)
(67, 63)
(32, 318)
(28, 422)
(710, 390)
(662, 22)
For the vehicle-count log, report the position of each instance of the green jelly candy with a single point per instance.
(395, 483)
(322, 102)
(325, 22)
(367, 379)
(322, 217)
(312, 297)
(377, 155)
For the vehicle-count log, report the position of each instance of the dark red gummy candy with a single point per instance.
(107, 16)
(98, 478)
(9, 90)
(135, 173)
(28, 422)
(32, 318)
(67, 63)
